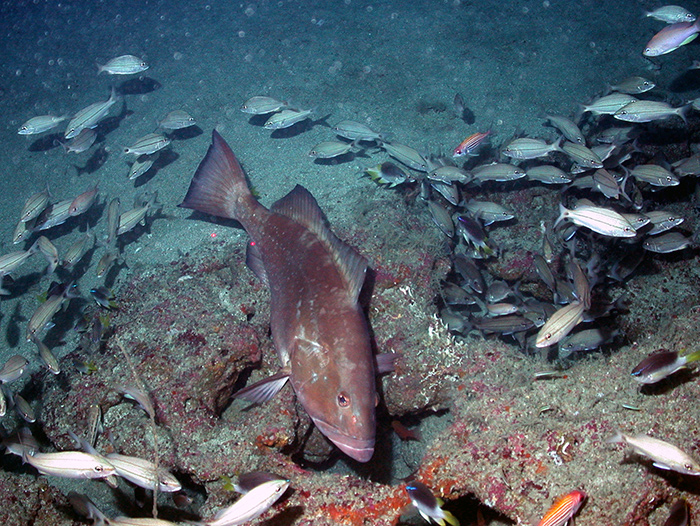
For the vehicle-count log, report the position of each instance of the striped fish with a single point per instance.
(560, 324)
(563, 510)
(469, 145)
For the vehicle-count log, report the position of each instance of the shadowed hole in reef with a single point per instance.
(467, 509)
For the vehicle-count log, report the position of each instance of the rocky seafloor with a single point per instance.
(493, 437)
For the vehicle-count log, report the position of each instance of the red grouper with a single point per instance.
(318, 327)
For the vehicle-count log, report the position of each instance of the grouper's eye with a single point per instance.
(343, 400)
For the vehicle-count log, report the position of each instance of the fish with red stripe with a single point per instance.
(564, 509)
(471, 144)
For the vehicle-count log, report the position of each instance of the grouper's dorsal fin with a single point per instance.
(300, 206)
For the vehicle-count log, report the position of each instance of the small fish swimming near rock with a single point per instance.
(261, 105)
(471, 145)
(662, 454)
(148, 144)
(671, 14)
(429, 506)
(604, 221)
(634, 85)
(35, 205)
(251, 505)
(40, 124)
(177, 120)
(123, 65)
(564, 509)
(356, 131)
(662, 364)
(71, 464)
(89, 116)
(389, 174)
(671, 38)
(286, 118)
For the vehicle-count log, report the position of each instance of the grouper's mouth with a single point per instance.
(356, 448)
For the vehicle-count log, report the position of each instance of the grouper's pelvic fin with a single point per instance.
(219, 186)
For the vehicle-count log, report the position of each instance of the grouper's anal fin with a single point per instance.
(218, 186)
(300, 206)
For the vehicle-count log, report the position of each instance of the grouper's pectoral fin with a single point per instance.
(385, 362)
(262, 391)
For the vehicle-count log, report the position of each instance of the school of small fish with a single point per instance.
(609, 219)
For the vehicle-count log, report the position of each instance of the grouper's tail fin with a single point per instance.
(219, 186)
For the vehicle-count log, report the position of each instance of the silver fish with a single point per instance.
(24, 409)
(560, 324)
(148, 144)
(582, 155)
(77, 250)
(662, 221)
(663, 455)
(54, 215)
(123, 65)
(11, 261)
(548, 174)
(47, 356)
(529, 148)
(469, 272)
(330, 149)
(442, 218)
(634, 86)
(81, 142)
(497, 172)
(286, 118)
(89, 116)
(71, 464)
(105, 262)
(655, 175)
(666, 243)
(488, 212)
(45, 311)
(609, 104)
(649, 110)
(13, 369)
(356, 131)
(606, 184)
(49, 251)
(142, 473)
(261, 105)
(671, 14)
(177, 120)
(601, 220)
(35, 205)
(509, 324)
(141, 165)
(568, 128)
(449, 175)
(406, 155)
(40, 124)
(251, 505)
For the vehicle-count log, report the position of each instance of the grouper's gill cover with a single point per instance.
(314, 278)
